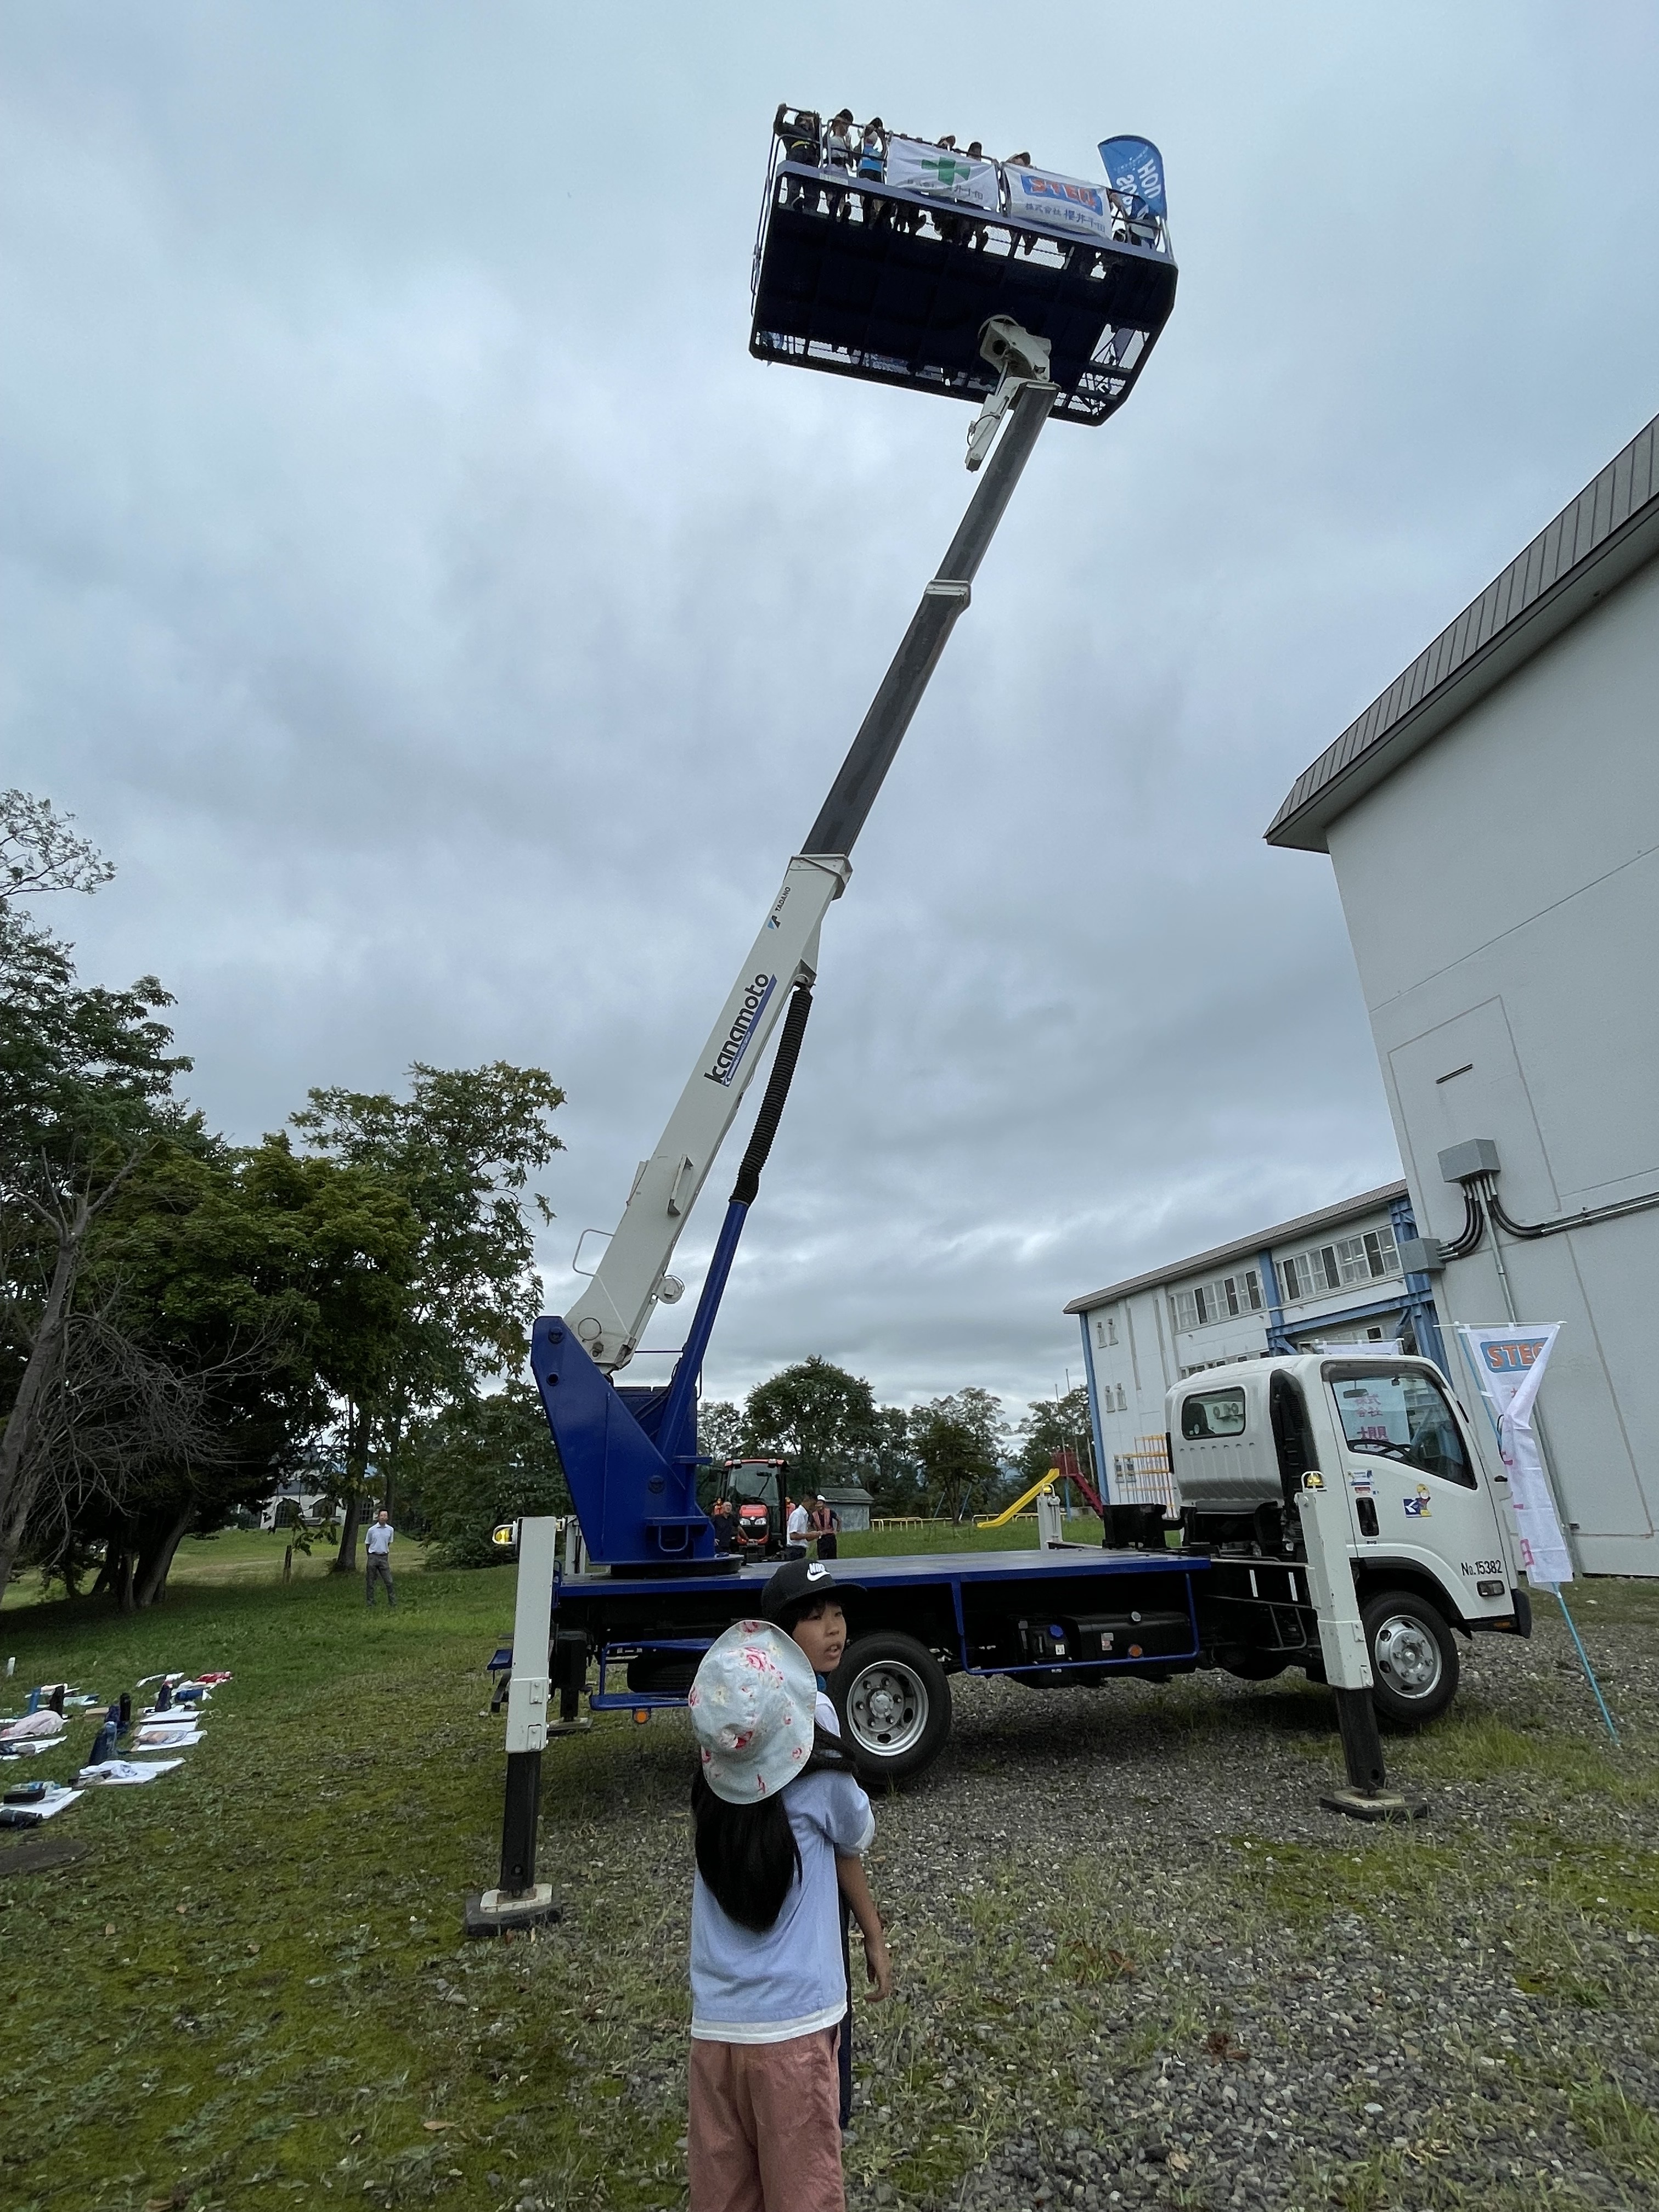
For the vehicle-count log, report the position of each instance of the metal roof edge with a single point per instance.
(1301, 1225)
(1396, 725)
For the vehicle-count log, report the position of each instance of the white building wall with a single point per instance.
(1502, 894)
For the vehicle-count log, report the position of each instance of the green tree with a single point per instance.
(1052, 1428)
(461, 1149)
(719, 1430)
(86, 1092)
(280, 1284)
(892, 1472)
(488, 1459)
(960, 1441)
(815, 1414)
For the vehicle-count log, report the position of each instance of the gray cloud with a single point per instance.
(414, 585)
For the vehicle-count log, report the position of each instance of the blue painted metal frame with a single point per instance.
(955, 1572)
(633, 1479)
(1094, 1414)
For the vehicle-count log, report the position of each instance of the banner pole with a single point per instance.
(1584, 1661)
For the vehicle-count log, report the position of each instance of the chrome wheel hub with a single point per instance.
(1406, 1657)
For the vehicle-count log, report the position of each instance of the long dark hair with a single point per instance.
(747, 1854)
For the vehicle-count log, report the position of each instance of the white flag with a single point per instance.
(1509, 1364)
(915, 166)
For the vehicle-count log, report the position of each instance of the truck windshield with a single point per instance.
(749, 1483)
(1400, 1414)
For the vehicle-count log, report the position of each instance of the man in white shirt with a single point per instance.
(796, 1530)
(377, 1548)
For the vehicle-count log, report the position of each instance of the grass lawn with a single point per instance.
(244, 1556)
(250, 1986)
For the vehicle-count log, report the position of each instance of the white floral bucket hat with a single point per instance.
(752, 1707)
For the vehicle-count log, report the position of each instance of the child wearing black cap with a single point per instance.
(800, 1599)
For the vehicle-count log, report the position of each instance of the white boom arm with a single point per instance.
(612, 1311)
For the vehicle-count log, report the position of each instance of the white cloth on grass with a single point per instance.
(788, 1981)
(162, 1736)
(45, 1723)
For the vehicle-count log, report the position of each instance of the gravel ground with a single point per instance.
(1298, 2010)
(1138, 1966)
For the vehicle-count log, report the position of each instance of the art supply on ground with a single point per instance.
(103, 1745)
(46, 1806)
(165, 1736)
(125, 1772)
(39, 1724)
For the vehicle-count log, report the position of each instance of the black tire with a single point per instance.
(1414, 1656)
(895, 1706)
(1255, 1666)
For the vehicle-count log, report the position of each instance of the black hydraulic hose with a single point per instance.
(1591, 1214)
(746, 1187)
(1473, 1229)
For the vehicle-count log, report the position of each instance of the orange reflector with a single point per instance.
(641, 1715)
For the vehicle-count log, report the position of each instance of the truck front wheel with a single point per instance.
(895, 1705)
(1414, 1665)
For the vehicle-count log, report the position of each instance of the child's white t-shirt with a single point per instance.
(750, 1988)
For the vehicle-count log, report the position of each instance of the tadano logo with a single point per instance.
(735, 1043)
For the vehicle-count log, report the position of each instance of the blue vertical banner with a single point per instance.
(1135, 168)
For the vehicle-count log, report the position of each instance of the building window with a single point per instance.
(1123, 1402)
(1105, 1331)
(1226, 1299)
(1367, 1258)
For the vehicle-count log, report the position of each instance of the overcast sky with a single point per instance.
(413, 585)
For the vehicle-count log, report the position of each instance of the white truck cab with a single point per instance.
(1430, 1538)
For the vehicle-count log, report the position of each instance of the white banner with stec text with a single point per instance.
(1067, 204)
(1508, 1365)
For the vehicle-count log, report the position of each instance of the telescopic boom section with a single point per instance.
(610, 1316)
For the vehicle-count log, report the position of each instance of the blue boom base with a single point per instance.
(634, 1488)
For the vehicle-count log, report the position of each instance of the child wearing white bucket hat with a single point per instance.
(775, 1803)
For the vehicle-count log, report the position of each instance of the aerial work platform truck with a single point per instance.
(1335, 1514)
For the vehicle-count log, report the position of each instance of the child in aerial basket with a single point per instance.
(775, 1805)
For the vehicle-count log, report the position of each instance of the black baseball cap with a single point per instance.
(796, 1583)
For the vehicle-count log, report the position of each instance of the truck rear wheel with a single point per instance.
(895, 1705)
(1415, 1664)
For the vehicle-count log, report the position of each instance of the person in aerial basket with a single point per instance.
(774, 1806)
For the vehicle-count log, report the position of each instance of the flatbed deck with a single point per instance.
(1077, 1614)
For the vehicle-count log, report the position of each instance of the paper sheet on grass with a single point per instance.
(45, 1808)
(163, 1736)
(114, 1772)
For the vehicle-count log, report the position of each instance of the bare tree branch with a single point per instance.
(39, 851)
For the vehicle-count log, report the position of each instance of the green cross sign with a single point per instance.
(948, 170)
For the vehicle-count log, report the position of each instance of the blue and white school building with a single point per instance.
(1329, 1278)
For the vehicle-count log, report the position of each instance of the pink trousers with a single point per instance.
(765, 2132)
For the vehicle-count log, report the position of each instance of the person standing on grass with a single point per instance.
(826, 1527)
(377, 1553)
(781, 1823)
(797, 1527)
(801, 1598)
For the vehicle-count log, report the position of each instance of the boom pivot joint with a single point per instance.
(1024, 360)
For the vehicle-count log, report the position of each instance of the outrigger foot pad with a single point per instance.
(1380, 1805)
(499, 1912)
